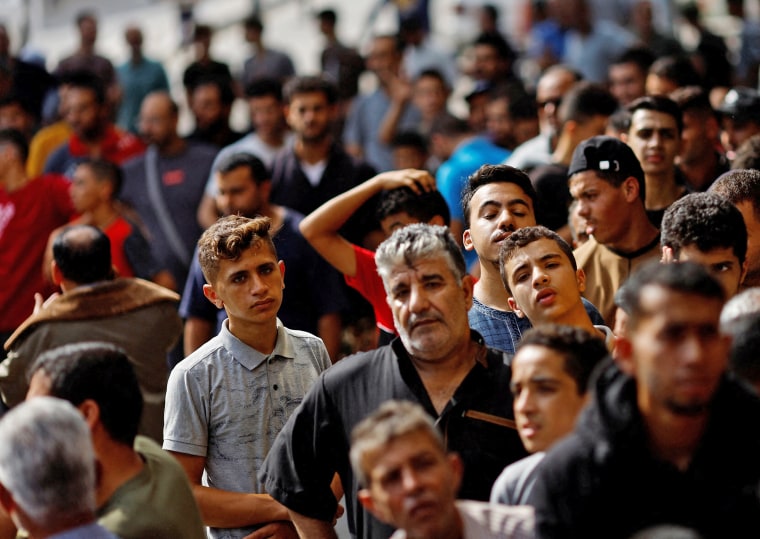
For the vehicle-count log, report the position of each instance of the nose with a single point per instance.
(506, 221)
(540, 277)
(418, 300)
(524, 402)
(410, 479)
(258, 286)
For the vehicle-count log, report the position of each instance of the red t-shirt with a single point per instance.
(369, 284)
(27, 217)
(117, 146)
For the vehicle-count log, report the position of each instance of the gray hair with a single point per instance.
(47, 461)
(742, 304)
(414, 242)
(393, 419)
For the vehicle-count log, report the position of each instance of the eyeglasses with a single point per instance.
(556, 102)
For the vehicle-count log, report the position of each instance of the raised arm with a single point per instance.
(320, 227)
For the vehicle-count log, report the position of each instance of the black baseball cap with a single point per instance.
(605, 154)
(741, 104)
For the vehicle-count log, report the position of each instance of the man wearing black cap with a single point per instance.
(740, 111)
(607, 181)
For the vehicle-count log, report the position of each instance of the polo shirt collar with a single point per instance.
(251, 358)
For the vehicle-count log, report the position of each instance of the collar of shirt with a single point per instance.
(251, 358)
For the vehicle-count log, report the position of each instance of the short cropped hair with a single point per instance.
(581, 350)
(15, 138)
(228, 238)
(416, 242)
(309, 85)
(234, 161)
(694, 100)
(488, 174)
(584, 101)
(743, 358)
(525, 236)
(409, 139)
(226, 93)
(422, 207)
(264, 87)
(748, 154)
(47, 461)
(642, 57)
(86, 80)
(106, 171)
(101, 372)
(744, 303)
(677, 68)
(392, 420)
(706, 220)
(83, 254)
(658, 103)
(685, 277)
(741, 185)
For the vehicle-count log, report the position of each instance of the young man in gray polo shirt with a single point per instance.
(227, 401)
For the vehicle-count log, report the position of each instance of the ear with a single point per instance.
(437, 220)
(630, 189)
(744, 272)
(210, 293)
(624, 355)
(467, 240)
(281, 265)
(6, 500)
(91, 412)
(515, 307)
(570, 127)
(265, 189)
(468, 285)
(580, 277)
(56, 273)
(668, 257)
(365, 498)
(457, 469)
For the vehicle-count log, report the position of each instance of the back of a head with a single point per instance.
(255, 166)
(677, 69)
(309, 85)
(83, 254)
(584, 101)
(693, 99)
(581, 350)
(488, 174)
(707, 221)
(264, 87)
(100, 372)
(746, 302)
(642, 57)
(392, 420)
(744, 359)
(685, 277)
(748, 154)
(47, 462)
(423, 207)
(739, 185)
(449, 126)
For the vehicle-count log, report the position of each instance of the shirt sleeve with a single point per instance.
(186, 416)
(139, 255)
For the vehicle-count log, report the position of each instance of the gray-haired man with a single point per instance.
(437, 361)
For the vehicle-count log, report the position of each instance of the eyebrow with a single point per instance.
(510, 203)
(544, 258)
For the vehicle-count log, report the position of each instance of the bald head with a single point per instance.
(158, 119)
(82, 254)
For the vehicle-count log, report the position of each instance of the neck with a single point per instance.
(700, 172)
(62, 524)
(118, 464)
(673, 438)
(313, 152)
(641, 232)
(662, 190)
(175, 145)
(260, 337)
(576, 317)
(489, 290)
(563, 153)
(274, 138)
(101, 217)
(442, 376)
(137, 57)
(14, 178)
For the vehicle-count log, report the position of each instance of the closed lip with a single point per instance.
(545, 293)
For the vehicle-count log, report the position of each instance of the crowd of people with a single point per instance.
(526, 309)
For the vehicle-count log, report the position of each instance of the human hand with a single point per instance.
(419, 181)
(280, 529)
